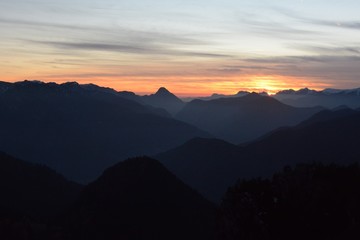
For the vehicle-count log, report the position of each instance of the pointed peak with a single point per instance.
(162, 90)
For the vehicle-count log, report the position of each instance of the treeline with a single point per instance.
(307, 202)
(140, 199)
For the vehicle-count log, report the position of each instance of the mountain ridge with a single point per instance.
(332, 138)
(163, 98)
(241, 119)
(80, 131)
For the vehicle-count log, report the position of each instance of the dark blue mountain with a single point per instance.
(140, 199)
(4, 86)
(164, 99)
(79, 130)
(242, 119)
(210, 166)
(31, 190)
(329, 98)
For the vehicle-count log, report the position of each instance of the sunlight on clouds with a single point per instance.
(192, 47)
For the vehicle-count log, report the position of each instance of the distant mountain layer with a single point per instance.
(164, 99)
(329, 98)
(161, 99)
(327, 91)
(217, 96)
(210, 166)
(241, 119)
(79, 130)
(140, 199)
(32, 190)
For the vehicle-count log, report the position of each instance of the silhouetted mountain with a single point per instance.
(303, 91)
(80, 130)
(140, 199)
(164, 99)
(308, 202)
(217, 96)
(330, 137)
(32, 190)
(130, 96)
(332, 91)
(4, 86)
(243, 118)
(329, 98)
(340, 107)
(327, 115)
(208, 165)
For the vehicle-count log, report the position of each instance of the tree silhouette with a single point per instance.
(307, 202)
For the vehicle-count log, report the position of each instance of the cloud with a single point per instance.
(338, 24)
(277, 29)
(326, 68)
(30, 23)
(331, 50)
(110, 32)
(266, 26)
(78, 39)
(305, 59)
(135, 48)
(321, 22)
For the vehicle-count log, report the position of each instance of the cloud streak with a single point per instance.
(143, 49)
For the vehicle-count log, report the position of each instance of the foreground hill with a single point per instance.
(32, 190)
(211, 166)
(244, 118)
(79, 130)
(208, 165)
(140, 199)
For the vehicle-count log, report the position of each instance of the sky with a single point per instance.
(192, 47)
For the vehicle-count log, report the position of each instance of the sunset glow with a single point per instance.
(192, 48)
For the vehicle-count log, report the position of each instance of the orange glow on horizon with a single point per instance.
(186, 86)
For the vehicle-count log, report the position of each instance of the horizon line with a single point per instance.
(184, 95)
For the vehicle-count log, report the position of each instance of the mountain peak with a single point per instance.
(163, 98)
(302, 91)
(163, 91)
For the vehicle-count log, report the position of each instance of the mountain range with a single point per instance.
(164, 99)
(198, 150)
(79, 130)
(217, 96)
(241, 119)
(329, 98)
(305, 97)
(211, 165)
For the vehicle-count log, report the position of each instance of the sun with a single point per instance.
(268, 84)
